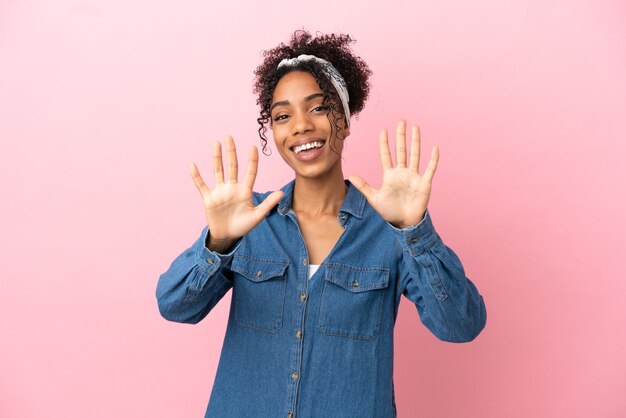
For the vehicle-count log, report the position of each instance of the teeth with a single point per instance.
(314, 144)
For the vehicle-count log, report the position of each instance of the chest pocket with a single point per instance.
(352, 301)
(259, 292)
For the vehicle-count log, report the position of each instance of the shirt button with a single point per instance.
(209, 261)
(298, 334)
(355, 283)
(304, 261)
(259, 273)
(302, 297)
(414, 240)
(289, 414)
(343, 217)
(294, 376)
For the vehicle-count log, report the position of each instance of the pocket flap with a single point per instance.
(258, 270)
(357, 279)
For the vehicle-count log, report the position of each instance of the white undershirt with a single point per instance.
(312, 269)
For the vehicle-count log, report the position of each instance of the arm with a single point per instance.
(433, 278)
(200, 276)
(197, 279)
(431, 274)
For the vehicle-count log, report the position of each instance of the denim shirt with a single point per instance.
(319, 347)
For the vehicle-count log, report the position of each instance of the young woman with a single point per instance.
(317, 269)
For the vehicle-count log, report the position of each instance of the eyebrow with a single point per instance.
(306, 99)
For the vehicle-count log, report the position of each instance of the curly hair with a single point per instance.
(334, 48)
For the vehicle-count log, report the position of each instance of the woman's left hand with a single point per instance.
(403, 197)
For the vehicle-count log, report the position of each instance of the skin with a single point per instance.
(298, 115)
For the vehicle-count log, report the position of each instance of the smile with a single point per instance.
(310, 145)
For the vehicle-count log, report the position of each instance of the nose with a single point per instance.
(301, 122)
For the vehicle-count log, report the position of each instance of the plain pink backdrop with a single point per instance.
(104, 104)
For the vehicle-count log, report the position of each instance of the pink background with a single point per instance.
(104, 104)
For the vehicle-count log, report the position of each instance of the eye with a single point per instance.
(321, 109)
(280, 117)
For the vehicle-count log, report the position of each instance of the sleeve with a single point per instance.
(433, 278)
(197, 279)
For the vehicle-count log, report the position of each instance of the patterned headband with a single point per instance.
(333, 75)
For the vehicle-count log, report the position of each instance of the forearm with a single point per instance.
(448, 303)
(196, 280)
(219, 246)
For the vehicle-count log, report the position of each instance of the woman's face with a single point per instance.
(302, 129)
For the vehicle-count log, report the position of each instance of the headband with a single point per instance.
(333, 75)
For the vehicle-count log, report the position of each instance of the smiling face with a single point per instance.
(302, 129)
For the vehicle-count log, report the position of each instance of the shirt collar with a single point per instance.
(354, 202)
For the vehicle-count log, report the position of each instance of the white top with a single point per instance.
(312, 269)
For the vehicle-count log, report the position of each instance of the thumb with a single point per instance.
(269, 202)
(362, 186)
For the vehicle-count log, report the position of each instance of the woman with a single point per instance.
(317, 268)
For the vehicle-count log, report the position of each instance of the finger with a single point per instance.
(385, 155)
(231, 160)
(415, 148)
(368, 191)
(218, 169)
(197, 180)
(401, 144)
(267, 205)
(253, 164)
(432, 164)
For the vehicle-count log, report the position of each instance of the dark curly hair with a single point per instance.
(334, 48)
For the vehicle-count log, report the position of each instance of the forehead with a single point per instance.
(295, 85)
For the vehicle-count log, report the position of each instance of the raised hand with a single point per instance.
(403, 197)
(228, 207)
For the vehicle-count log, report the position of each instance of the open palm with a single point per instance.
(403, 196)
(229, 210)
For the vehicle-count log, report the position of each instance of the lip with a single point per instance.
(309, 155)
(306, 141)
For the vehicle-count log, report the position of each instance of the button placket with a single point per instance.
(295, 376)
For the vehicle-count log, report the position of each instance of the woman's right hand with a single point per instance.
(229, 210)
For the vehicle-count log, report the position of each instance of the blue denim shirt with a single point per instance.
(319, 347)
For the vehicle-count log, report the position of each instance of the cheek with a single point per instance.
(337, 144)
(278, 145)
(277, 139)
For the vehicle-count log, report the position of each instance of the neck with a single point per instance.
(319, 196)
